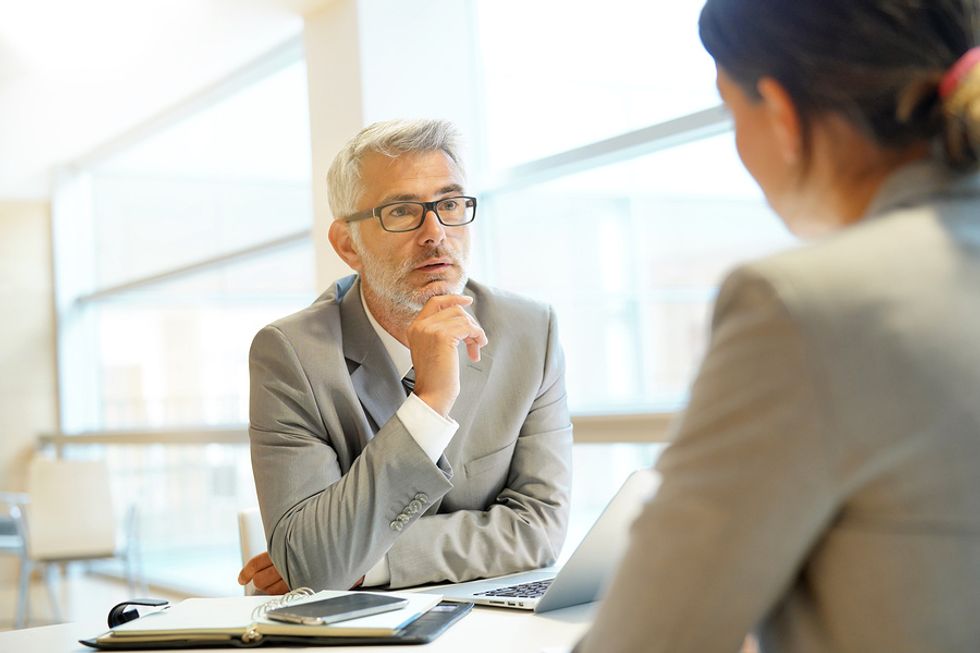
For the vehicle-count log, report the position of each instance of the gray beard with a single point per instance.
(386, 280)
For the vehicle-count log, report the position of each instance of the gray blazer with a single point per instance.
(341, 482)
(823, 486)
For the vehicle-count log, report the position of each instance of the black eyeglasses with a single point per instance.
(409, 216)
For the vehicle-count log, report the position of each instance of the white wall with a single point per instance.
(28, 396)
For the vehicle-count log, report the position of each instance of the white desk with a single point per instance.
(484, 630)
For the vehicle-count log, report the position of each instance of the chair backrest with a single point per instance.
(251, 536)
(251, 533)
(70, 513)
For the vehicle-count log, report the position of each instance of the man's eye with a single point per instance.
(449, 205)
(399, 211)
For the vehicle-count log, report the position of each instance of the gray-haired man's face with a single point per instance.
(404, 270)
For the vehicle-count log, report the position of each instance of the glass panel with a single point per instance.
(228, 177)
(633, 64)
(634, 253)
(176, 353)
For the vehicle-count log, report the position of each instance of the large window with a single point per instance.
(630, 255)
(615, 191)
(560, 74)
(609, 188)
(174, 353)
(172, 252)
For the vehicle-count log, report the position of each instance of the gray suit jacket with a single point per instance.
(341, 482)
(824, 482)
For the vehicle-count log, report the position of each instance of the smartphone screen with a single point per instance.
(337, 608)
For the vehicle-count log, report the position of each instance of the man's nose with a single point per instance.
(431, 230)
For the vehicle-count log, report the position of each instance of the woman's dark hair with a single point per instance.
(878, 63)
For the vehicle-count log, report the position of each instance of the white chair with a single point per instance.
(251, 536)
(70, 517)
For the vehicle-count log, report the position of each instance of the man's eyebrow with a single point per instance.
(451, 188)
(411, 197)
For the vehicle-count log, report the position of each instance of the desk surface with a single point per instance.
(484, 630)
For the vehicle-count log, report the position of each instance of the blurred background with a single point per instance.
(162, 198)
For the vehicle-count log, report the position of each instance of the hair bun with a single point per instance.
(961, 112)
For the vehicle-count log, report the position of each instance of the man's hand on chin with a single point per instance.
(433, 338)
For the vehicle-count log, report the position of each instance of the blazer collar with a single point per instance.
(920, 181)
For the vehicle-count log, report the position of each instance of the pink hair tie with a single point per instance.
(951, 80)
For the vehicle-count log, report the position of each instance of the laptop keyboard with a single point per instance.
(522, 591)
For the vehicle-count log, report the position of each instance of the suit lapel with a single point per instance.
(373, 375)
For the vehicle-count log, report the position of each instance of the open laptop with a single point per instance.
(584, 576)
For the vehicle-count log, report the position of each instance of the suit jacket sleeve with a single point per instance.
(745, 493)
(325, 529)
(525, 527)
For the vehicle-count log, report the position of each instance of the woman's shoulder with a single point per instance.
(895, 243)
(883, 264)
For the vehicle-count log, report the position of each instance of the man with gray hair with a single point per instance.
(410, 426)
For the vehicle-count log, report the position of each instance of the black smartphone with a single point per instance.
(337, 608)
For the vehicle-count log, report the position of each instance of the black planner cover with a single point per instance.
(421, 631)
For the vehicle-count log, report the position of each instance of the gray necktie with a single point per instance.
(409, 381)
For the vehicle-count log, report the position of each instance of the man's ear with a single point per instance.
(343, 244)
(784, 119)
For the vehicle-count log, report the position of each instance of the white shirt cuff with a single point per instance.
(429, 429)
(378, 574)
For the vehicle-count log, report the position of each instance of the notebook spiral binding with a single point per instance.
(289, 598)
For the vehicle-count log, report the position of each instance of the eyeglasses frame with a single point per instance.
(426, 208)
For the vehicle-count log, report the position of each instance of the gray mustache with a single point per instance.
(436, 253)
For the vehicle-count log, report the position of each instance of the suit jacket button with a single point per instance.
(414, 505)
(422, 498)
(395, 525)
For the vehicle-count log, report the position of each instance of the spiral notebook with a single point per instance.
(241, 621)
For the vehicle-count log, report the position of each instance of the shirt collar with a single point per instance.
(399, 354)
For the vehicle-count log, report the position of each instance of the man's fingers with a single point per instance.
(455, 323)
(474, 344)
(280, 587)
(253, 566)
(473, 349)
(442, 302)
(475, 341)
(267, 579)
(466, 329)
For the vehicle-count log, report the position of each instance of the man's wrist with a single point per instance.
(428, 428)
(438, 403)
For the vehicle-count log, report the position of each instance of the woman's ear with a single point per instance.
(343, 244)
(784, 119)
